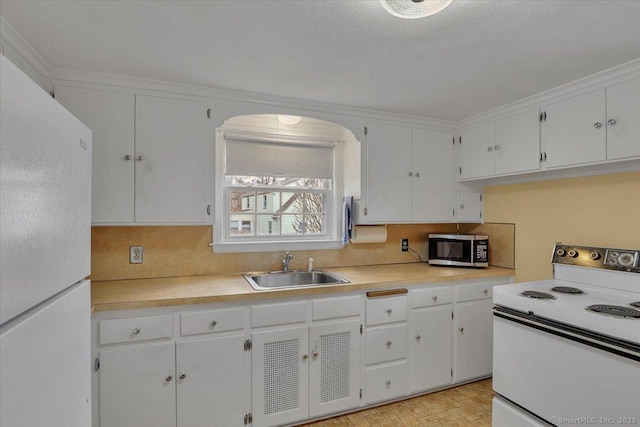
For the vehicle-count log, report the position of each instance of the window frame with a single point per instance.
(223, 243)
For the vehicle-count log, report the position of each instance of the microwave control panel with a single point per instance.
(482, 251)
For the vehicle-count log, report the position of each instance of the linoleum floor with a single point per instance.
(463, 406)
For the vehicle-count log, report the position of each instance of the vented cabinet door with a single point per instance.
(334, 377)
(280, 363)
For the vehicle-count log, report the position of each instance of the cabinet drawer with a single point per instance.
(474, 291)
(212, 321)
(386, 343)
(278, 314)
(385, 382)
(135, 329)
(334, 308)
(386, 310)
(431, 297)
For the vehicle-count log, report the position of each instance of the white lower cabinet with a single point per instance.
(137, 386)
(430, 348)
(385, 382)
(473, 339)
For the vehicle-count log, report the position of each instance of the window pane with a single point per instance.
(315, 224)
(268, 202)
(313, 202)
(293, 225)
(273, 181)
(290, 203)
(242, 201)
(268, 225)
(241, 225)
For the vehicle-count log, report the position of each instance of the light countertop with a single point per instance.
(171, 291)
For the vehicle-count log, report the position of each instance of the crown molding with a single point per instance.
(12, 38)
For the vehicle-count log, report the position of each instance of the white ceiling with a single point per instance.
(474, 56)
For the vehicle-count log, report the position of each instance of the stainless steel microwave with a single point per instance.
(463, 250)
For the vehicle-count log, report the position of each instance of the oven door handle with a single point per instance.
(623, 348)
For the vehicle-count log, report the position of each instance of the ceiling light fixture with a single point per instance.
(289, 120)
(412, 9)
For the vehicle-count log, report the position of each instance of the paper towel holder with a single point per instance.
(369, 233)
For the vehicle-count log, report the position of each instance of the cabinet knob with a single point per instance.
(410, 173)
(435, 298)
(388, 344)
(485, 291)
(611, 122)
(597, 125)
(314, 355)
(489, 148)
(305, 357)
(136, 331)
(417, 174)
(461, 330)
(461, 206)
(183, 376)
(169, 378)
(389, 311)
(127, 157)
(213, 324)
(140, 158)
(388, 382)
(496, 147)
(417, 337)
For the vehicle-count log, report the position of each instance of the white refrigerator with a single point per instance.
(45, 256)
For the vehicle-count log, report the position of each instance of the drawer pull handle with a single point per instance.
(597, 125)
(127, 157)
(169, 378)
(136, 331)
(389, 311)
(461, 330)
(612, 122)
(485, 291)
(314, 355)
(183, 376)
(388, 383)
(213, 324)
(435, 298)
(417, 337)
(305, 357)
(388, 344)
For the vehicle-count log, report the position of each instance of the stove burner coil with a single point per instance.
(615, 310)
(635, 304)
(537, 295)
(567, 290)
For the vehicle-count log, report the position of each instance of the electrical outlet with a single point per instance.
(404, 245)
(135, 254)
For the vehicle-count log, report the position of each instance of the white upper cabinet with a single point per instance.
(110, 116)
(149, 156)
(432, 155)
(405, 172)
(171, 161)
(623, 120)
(575, 130)
(506, 146)
(517, 145)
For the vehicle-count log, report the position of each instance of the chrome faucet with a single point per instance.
(285, 262)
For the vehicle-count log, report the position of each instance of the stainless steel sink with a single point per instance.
(292, 279)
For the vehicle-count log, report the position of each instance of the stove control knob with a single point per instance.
(561, 252)
(594, 255)
(573, 253)
(625, 259)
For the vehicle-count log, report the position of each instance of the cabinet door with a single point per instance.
(280, 370)
(213, 381)
(171, 161)
(388, 166)
(476, 151)
(137, 386)
(110, 116)
(575, 130)
(430, 351)
(334, 372)
(432, 173)
(517, 147)
(474, 339)
(623, 126)
(469, 208)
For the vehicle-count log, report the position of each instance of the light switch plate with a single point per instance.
(135, 254)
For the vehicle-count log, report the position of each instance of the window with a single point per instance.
(275, 192)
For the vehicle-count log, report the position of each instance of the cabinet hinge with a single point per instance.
(209, 210)
(451, 372)
(360, 393)
(481, 197)
(360, 329)
(248, 345)
(96, 364)
(544, 116)
(545, 156)
(53, 94)
(366, 130)
(453, 140)
(460, 170)
(480, 214)
(453, 212)
(208, 113)
(452, 315)
(366, 211)
(460, 139)
(540, 157)
(248, 418)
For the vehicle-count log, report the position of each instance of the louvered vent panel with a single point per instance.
(281, 373)
(334, 370)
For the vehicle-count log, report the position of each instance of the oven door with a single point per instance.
(564, 379)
